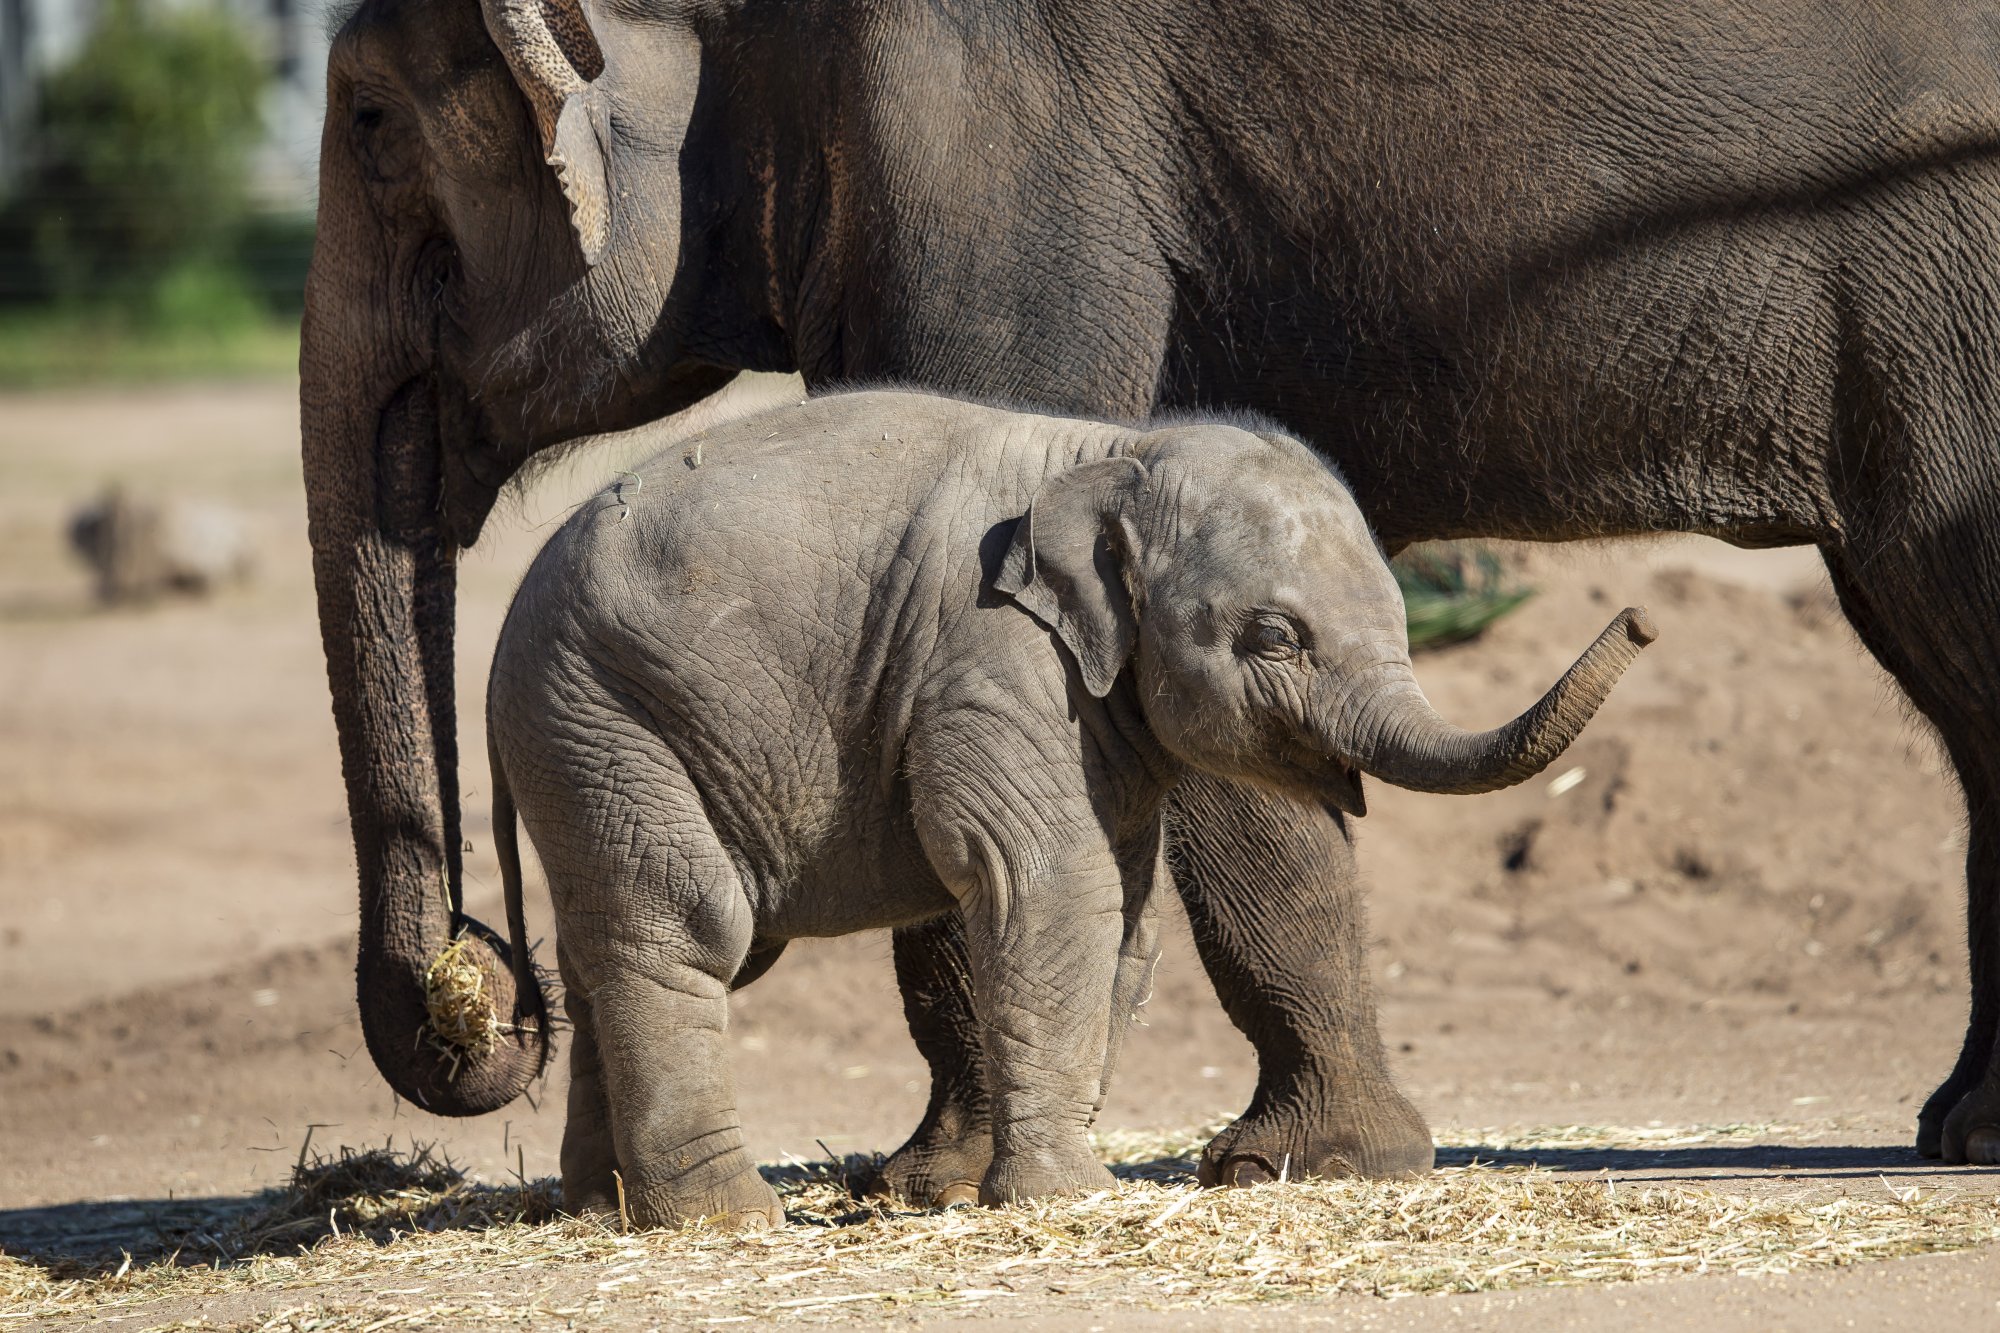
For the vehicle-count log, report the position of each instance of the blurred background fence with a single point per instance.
(157, 161)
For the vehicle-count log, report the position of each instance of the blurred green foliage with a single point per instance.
(1453, 590)
(47, 346)
(133, 222)
(144, 145)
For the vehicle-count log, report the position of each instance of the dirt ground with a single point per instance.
(1736, 901)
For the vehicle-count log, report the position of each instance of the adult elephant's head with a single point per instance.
(498, 269)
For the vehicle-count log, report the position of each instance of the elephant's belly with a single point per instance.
(1684, 382)
(852, 885)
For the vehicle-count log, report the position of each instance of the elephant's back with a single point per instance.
(797, 537)
(798, 502)
(748, 551)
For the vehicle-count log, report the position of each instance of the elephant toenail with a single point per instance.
(1243, 1171)
(958, 1194)
(1982, 1147)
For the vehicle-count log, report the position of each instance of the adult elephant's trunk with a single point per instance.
(445, 1019)
(1396, 735)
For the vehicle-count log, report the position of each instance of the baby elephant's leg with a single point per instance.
(588, 1157)
(674, 1121)
(944, 1160)
(654, 925)
(1043, 936)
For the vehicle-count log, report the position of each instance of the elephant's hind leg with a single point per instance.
(1917, 564)
(1931, 616)
(589, 1158)
(654, 926)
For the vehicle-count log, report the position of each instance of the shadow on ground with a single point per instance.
(1707, 1162)
(382, 1193)
(379, 1193)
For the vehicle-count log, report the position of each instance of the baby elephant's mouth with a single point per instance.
(1341, 787)
(1303, 769)
(1327, 777)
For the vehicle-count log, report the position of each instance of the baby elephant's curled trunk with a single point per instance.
(1399, 737)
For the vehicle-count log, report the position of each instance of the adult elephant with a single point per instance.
(1558, 269)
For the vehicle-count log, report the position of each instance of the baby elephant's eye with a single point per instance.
(1273, 637)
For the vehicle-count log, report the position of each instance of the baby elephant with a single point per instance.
(882, 656)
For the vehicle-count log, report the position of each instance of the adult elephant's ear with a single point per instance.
(550, 48)
(1072, 565)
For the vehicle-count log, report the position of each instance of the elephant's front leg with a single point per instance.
(1044, 946)
(944, 1160)
(1275, 906)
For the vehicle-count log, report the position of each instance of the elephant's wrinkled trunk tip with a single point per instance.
(1404, 742)
(481, 1032)
(1638, 625)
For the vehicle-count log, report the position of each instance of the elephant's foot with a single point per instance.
(1931, 1120)
(589, 1168)
(1970, 1134)
(1964, 1085)
(1017, 1177)
(941, 1165)
(590, 1200)
(1380, 1136)
(738, 1202)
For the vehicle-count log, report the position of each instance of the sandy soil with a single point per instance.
(1736, 900)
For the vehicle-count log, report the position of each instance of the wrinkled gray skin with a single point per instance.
(1549, 269)
(811, 686)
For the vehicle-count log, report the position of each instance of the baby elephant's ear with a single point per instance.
(1068, 563)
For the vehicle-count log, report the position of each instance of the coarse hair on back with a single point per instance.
(1237, 418)
(1242, 418)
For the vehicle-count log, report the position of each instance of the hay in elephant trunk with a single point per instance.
(462, 1018)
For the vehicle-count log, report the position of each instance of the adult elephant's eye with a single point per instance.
(1273, 637)
(386, 149)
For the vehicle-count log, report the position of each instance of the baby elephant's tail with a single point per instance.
(507, 846)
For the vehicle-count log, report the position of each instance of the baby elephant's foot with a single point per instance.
(937, 1169)
(1020, 1176)
(590, 1199)
(739, 1202)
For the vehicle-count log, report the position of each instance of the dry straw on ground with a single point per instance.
(377, 1239)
